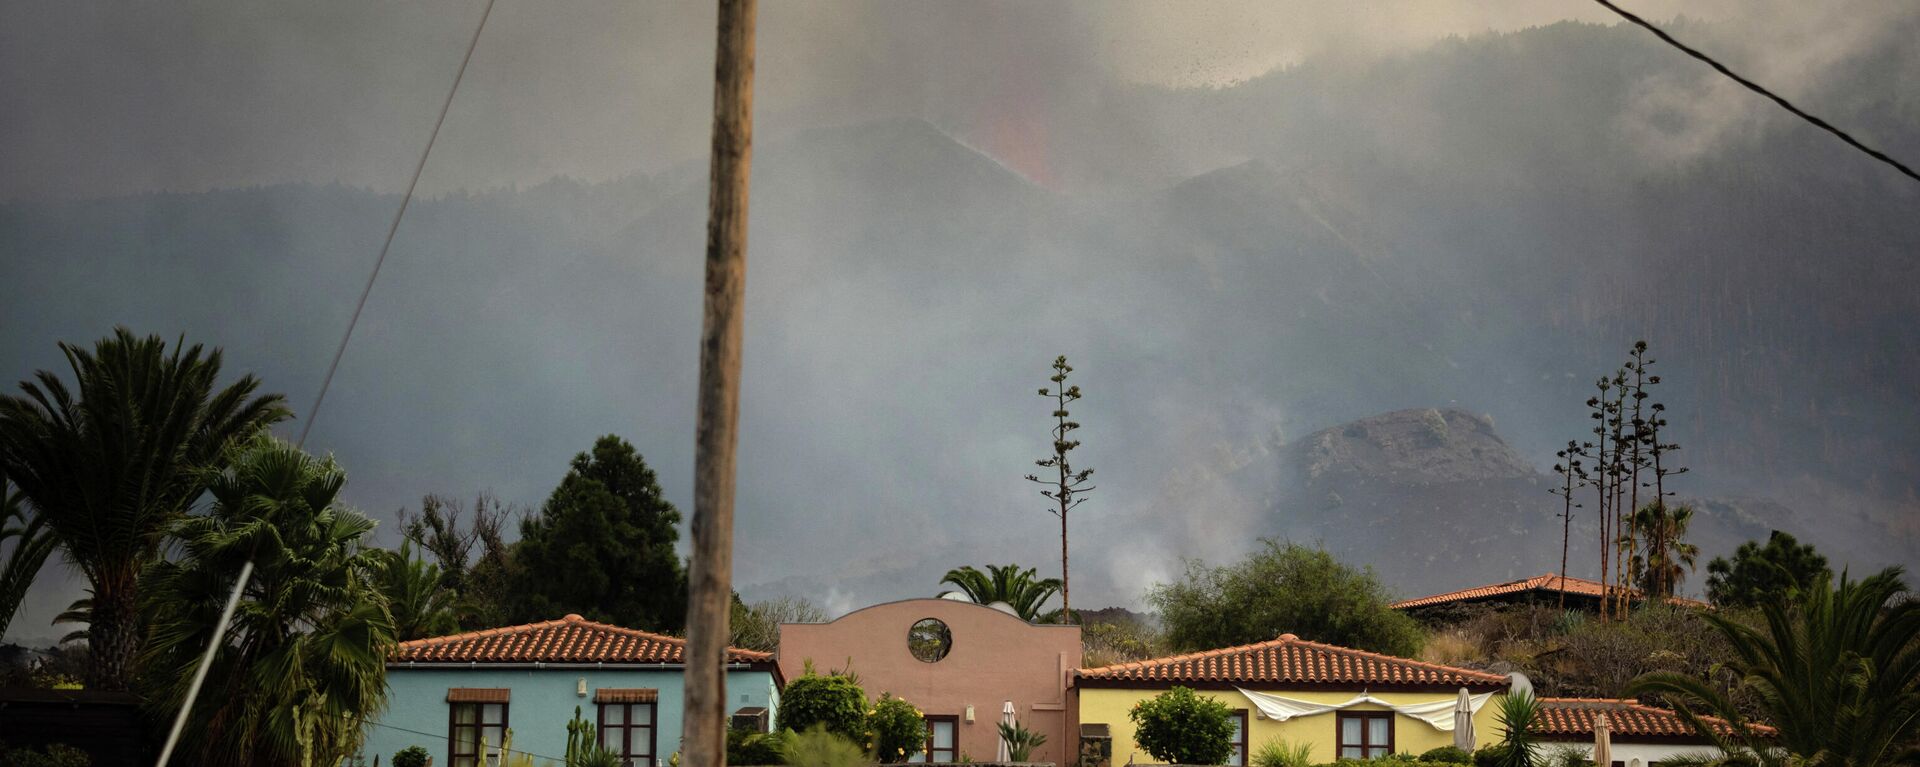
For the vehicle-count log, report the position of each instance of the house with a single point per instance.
(1639, 735)
(1341, 701)
(450, 693)
(1547, 590)
(960, 663)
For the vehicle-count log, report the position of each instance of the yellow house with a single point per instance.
(1341, 701)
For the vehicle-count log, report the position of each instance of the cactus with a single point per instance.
(580, 739)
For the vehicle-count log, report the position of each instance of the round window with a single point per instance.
(929, 640)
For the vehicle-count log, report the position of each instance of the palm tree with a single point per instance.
(1668, 557)
(79, 611)
(113, 462)
(32, 542)
(303, 664)
(1005, 583)
(417, 597)
(1838, 678)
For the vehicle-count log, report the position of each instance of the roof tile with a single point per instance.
(1292, 660)
(1626, 718)
(572, 639)
(1551, 583)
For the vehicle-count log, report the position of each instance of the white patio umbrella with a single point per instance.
(1463, 722)
(1602, 741)
(1004, 755)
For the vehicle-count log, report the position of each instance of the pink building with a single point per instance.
(960, 663)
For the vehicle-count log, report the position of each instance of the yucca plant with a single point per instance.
(1837, 678)
(1020, 741)
(1517, 737)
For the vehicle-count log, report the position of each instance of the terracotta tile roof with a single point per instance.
(1550, 583)
(1627, 719)
(1291, 660)
(572, 639)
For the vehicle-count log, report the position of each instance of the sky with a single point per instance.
(105, 100)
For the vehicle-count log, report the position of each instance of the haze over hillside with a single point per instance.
(1476, 230)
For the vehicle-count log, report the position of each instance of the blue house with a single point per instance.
(449, 694)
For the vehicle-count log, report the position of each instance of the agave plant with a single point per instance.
(1020, 741)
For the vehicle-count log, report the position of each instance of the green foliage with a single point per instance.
(1020, 741)
(1280, 753)
(1283, 588)
(1565, 755)
(896, 731)
(1838, 676)
(602, 546)
(417, 597)
(482, 579)
(113, 462)
(1781, 570)
(33, 541)
(1516, 717)
(53, 755)
(1492, 755)
(1667, 557)
(833, 701)
(1447, 754)
(819, 747)
(305, 658)
(757, 626)
(1180, 727)
(757, 749)
(1106, 642)
(411, 756)
(1021, 589)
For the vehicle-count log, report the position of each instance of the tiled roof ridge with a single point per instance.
(1603, 705)
(570, 618)
(1172, 659)
(1466, 672)
(1283, 640)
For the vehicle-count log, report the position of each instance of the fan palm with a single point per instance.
(1668, 557)
(1838, 678)
(113, 462)
(417, 597)
(32, 542)
(1005, 583)
(303, 663)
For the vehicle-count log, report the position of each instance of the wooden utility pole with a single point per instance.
(703, 734)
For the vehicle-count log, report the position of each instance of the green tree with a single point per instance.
(1180, 727)
(1781, 570)
(303, 662)
(834, 701)
(1837, 675)
(1282, 588)
(1069, 484)
(416, 595)
(32, 542)
(602, 546)
(114, 461)
(1663, 566)
(1005, 583)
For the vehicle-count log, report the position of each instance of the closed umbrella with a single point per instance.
(1463, 722)
(1006, 717)
(1602, 741)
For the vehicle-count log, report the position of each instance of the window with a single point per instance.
(943, 739)
(470, 725)
(1365, 734)
(626, 728)
(1239, 756)
(929, 640)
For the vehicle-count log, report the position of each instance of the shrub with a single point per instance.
(53, 755)
(1516, 717)
(1180, 727)
(1447, 754)
(411, 756)
(820, 747)
(834, 701)
(1280, 753)
(1494, 755)
(746, 747)
(1565, 755)
(1020, 741)
(896, 731)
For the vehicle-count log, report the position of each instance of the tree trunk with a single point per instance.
(1066, 598)
(113, 635)
(703, 733)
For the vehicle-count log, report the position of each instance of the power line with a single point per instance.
(1757, 88)
(246, 569)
